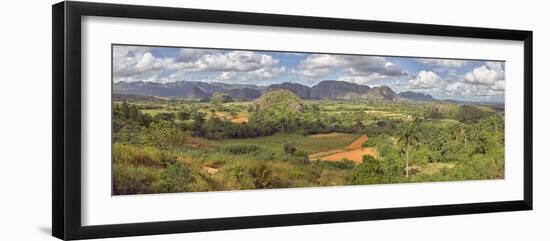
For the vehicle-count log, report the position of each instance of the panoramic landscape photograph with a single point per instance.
(187, 119)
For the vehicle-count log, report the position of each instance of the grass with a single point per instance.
(240, 117)
(154, 112)
(431, 168)
(309, 144)
(442, 123)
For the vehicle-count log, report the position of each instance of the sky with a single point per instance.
(470, 80)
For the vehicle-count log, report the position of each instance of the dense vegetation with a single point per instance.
(280, 140)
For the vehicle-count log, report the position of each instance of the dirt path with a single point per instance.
(358, 143)
(240, 119)
(353, 152)
(210, 170)
(325, 153)
(355, 155)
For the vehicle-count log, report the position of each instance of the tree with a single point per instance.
(125, 109)
(219, 98)
(214, 128)
(408, 137)
(184, 115)
(165, 116)
(166, 137)
(198, 118)
(463, 135)
(174, 178)
(289, 148)
(370, 171)
(261, 175)
(471, 114)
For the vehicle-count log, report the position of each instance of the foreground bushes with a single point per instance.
(252, 176)
(160, 161)
(133, 180)
(136, 155)
(370, 171)
(129, 179)
(173, 178)
(241, 149)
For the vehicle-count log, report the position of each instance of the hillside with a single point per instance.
(301, 91)
(332, 89)
(192, 90)
(382, 93)
(416, 96)
(324, 90)
(279, 101)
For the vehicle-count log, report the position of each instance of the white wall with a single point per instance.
(25, 123)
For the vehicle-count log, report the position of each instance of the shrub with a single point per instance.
(165, 116)
(261, 175)
(368, 172)
(299, 157)
(164, 136)
(136, 155)
(133, 179)
(345, 164)
(219, 98)
(257, 175)
(174, 178)
(471, 114)
(289, 148)
(184, 115)
(238, 177)
(241, 149)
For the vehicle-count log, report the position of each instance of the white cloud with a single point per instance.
(130, 63)
(483, 81)
(313, 73)
(482, 75)
(135, 64)
(147, 62)
(191, 55)
(361, 79)
(239, 61)
(499, 66)
(318, 65)
(426, 80)
(454, 87)
(491, 74)
(357, 69)
(265, 73)
(321, 61)
(367, 65)
(442, 62)
(499, 86)
(469, 90)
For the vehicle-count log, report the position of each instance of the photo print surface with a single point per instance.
(187, 119)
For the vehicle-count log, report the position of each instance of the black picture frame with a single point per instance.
(66, 127)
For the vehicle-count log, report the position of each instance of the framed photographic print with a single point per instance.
(170, 120)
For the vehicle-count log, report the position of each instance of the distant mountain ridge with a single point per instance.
(187, 89)
(327, 89)
(416, 96)
(338, 90)
(300, 90)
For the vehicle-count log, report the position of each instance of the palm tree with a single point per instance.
(408, 137)
(461, 135)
